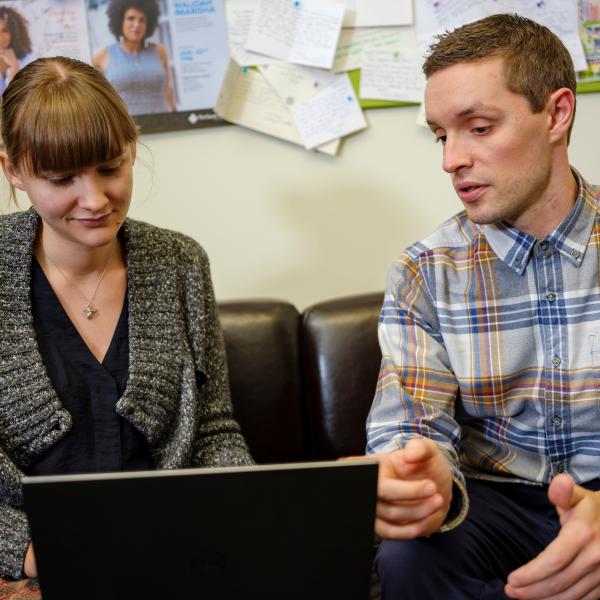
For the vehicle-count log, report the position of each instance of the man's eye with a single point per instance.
(441, 139)
(481, 130)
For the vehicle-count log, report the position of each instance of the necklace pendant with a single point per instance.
(89, 311)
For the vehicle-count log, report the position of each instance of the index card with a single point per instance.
(333, 113)
(239, 17)
(248, 100)
(560, 16)
(298, 31)
(377, 13)
(353, 42)
(392, 75)
(296, 84)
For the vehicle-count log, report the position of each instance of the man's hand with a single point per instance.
(30, 566)
(569, 568)
(414, 490)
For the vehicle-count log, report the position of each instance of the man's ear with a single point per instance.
(10, 172)
(561, 108)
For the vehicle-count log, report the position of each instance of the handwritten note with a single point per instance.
(392, 75)
(305, 32)
(377, 13)
(560, 16)
(353, 42)
(296, 84)
(239, 17)
(248, 100)
(332, 114)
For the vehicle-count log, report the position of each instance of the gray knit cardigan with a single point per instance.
(177, 393)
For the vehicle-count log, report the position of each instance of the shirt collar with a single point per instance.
(570, 238)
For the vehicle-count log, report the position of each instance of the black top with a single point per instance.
(99, 440)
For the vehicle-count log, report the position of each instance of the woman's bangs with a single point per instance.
(64, 138)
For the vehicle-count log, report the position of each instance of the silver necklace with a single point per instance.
(89, 310)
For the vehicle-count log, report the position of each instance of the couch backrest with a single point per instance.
(341, 359)
(263, 356)
(302, 385)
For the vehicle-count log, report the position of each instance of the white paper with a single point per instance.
(239, 17)
(353, 42)
(377, 13)
(332, 114)
(560, 16)
(392, 75)
(305, 32)
(248, 100)
(296, 84)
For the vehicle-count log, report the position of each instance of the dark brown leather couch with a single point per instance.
(302, 384)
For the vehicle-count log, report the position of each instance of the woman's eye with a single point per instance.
(481, 130)
(108, 170)
(441, 139)
(60, 181)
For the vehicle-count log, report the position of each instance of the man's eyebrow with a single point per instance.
(479, 108)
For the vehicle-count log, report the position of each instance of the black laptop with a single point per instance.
(280, 532)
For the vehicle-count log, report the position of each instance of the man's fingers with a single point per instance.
(393, 490)
(410, 511)
(419, 450)
(579, 580)
(563, 492)
(554, 558)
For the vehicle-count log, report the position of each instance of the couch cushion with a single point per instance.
(341, 359)
(262, 346)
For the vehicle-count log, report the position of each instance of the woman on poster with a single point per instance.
(137, 68)
(15, 44)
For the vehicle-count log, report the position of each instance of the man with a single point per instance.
(486, 420)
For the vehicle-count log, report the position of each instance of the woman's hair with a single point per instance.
(20, 42)
(116, 13)
(62, 115)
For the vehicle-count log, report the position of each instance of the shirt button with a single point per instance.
(544, 246)
(575, 254)
(560, 467)
(551, 296)
(556, 421)
(518, 263)
(556, 361)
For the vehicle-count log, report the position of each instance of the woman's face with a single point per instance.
(134, 25)
(5, 36)
(85, 208)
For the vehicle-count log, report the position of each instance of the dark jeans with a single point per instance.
(508, 524)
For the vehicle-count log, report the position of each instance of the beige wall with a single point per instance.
(280, 222)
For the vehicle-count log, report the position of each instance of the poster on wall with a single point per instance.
(166, 58)
(31, 29)
(589, 19)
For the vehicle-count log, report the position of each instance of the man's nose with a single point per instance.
(456, 155)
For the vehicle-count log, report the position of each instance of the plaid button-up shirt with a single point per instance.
(491, 347)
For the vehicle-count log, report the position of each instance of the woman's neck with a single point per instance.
(71, 258)
(131, 47)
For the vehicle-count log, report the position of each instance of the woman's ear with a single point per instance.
(11, 172)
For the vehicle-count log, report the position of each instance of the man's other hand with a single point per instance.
(569, 568)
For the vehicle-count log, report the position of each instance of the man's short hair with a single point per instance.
(536, 62)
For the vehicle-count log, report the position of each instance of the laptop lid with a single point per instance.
(298, 531)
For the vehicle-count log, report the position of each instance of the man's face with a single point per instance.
(496, 149)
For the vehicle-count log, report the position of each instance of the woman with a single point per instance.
(15, 44)
(138, 69)
(111, 356)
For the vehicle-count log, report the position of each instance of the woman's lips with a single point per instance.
(94, 222)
